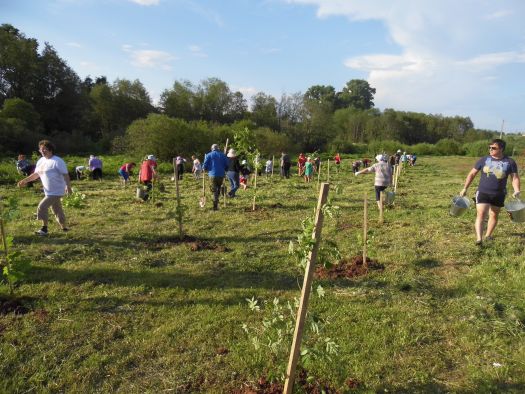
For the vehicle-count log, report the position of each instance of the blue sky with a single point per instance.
(450, 57)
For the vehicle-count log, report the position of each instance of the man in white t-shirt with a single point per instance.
(53, 173)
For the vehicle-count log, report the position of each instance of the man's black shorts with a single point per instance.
(497, 200)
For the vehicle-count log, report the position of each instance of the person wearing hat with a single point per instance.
(245, 173)
(216, 163)
(147, 173)
(179, 163)
(232, 173)
(398, 156)
(383, 177)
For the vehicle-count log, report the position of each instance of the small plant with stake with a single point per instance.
(74, 200)
(14, 264)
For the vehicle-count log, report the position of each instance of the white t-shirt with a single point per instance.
(52, 173)
(197, 165)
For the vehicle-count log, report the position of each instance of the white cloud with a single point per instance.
(148, 58)
(74, 44)
(146, 2)
(247, 91)
(197, 51)
(450, 53)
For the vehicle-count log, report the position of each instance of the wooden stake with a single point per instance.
(319, 175)
(255, 182)
(179, 210)
(305, 291)
(365, 228)
(175, 167)
(273, 158)
(328, 172)
(381, 206)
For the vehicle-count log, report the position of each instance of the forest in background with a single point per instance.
(42, 97)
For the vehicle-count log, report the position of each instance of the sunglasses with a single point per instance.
(493, 147)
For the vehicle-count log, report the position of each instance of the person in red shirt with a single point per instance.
(125, 171)
(147, 173)
(300, 163)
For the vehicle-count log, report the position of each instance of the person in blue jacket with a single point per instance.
(216, 163)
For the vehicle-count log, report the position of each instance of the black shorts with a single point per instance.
(497, 200)
(379, 189)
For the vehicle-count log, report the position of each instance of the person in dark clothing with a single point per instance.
(286, 163)
(232, 173)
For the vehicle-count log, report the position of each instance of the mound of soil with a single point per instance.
(17, 306)
(348, 268)
(265, 387)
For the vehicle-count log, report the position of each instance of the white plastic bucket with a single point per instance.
(516, 209)
(459, 205)
(141, 193)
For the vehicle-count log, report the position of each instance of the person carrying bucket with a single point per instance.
(383, 177)
(490, 196)
(147, 173)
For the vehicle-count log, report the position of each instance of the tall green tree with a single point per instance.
(264, 111)
(356, 94)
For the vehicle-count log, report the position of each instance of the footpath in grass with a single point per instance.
(121, 304)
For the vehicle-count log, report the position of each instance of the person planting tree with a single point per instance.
(495, 169)
(147, 173)
(52, 171)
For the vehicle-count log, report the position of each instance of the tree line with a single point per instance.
(42, 97)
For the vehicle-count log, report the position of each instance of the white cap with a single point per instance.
(151, 157)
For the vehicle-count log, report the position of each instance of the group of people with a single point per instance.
(94, 165)
(495, 169)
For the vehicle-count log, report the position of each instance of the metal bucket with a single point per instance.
(389, 198)
(516, 209)
(459, 205)
(141, 193)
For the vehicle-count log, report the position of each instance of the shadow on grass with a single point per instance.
(224, 279)
(427, 263)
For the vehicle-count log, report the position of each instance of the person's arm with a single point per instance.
(516, 184)
(470, 177)
(33, 177)
(68, 183)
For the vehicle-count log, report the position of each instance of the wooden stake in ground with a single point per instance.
(365, 228)
(179, 208)
(305, 291)
(202, 201)
(223, 186)
(256, 162)
(273, 158)
(381, 206)
(319, 175)
(327, 171)
(398, 170)
(175, 168)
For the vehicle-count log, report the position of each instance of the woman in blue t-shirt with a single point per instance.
(492, 189)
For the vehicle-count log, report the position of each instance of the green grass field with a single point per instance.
(118, 304)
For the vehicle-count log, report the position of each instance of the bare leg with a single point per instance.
(493, 220)
(481, 213)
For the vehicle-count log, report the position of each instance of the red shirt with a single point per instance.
(147, 170)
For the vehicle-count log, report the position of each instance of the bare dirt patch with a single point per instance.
(349, 267)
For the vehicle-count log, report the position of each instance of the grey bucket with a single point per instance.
(389, 198)
(516, 209)
(459, 205)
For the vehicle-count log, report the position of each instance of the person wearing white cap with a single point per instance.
(383, 177)
(147, 173)
(232, 173)
(216, 163)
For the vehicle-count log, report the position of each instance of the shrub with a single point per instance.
(423, 149)
(388, 146)
(447, 147)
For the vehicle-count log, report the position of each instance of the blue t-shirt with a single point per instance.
(494, 174)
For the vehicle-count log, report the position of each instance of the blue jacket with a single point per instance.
(216, 163)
